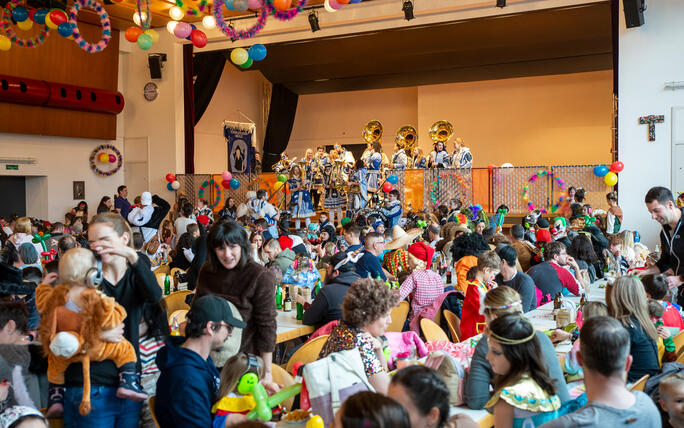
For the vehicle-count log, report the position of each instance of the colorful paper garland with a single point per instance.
(5, 25)
(93, 156)
(432, 191)
(194, 11)
(284, 15)
(104, 21)
(148, 14)
(241, 34)
(534, 178)
(217, 189)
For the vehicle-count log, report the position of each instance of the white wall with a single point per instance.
(649, 56)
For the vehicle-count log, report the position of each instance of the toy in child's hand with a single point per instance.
(264, 403)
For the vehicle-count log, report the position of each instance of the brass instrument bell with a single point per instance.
(372, 132)
(441, 131)
(406, 138)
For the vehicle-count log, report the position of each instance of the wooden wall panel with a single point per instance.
(61, 60)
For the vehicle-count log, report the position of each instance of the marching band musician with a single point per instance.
(358, 187)
(314, 177)
(393, 208)
(439, 158)
(333, 201)
(345, 155)
(399, 158)
(283, 165)
(374, 163)
(462, 157)
(418, 159)
(301, 204)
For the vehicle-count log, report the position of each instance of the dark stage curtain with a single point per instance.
(188, 118)
(281, 117)
(208, 67)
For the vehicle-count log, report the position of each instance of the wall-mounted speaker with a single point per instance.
(156, 63)
(634, 12)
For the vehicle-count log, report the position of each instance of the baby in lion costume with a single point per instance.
(74, 313)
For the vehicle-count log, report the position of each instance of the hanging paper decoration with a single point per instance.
(104, 21)
(6, 27)
(193, 11)
(146, 13)
(102, 150)
(286, 15)
(217, 190)
(241, 34)
(559, 182)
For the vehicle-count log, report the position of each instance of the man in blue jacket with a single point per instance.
(189, 381)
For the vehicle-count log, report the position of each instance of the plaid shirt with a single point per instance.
(425, 285)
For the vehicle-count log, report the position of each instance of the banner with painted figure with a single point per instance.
(241, 138)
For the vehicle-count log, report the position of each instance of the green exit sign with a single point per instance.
(12, 167)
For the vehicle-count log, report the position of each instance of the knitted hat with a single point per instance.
(543, 235)
(378, 223)
(285, 242)
(422, 251)
(542, 223)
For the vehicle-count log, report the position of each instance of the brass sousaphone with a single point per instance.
(406, 139)
(372, 132)
(441, 131)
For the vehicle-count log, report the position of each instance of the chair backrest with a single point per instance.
(639, 385)
(324, 274)
(432, 331)
(678, 340)
(454, 325)
(399, 315)
(176, 301)
(284, 379)
(486, 422)
(161, 276)
(680, 358)
(308, 353)
(152, 401)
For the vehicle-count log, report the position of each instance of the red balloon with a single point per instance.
(282, 4)
(387, 187)
(343, 1)
(112, 158)
(198, 38)
(225, 184)
(170, 178)
(31, 13)
(617, 166)
(132, 34)
(58, 16)
(491, 166)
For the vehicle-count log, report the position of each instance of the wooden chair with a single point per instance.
(432, 331)
(308, 352)
(486, 422)
(399, 315)
(639, 385)
(152, 401)
(284, 379)
(678, 340)
(176, 301)
(323, 273)
(454, 325)
(161, 276)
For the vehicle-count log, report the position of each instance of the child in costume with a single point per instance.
(666, 346)
(393, 208)
(302, 273)
(333, 200)
(523, 386)
(239, 372)
(73, 315)
(472, 314)
(358, 184)
(301, 204)
(374, 165)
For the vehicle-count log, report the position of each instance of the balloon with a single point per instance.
(65, 29)
(199, 39)
(103, 157)
(354, 1)
(57, 16)
(226, 175)
(393, 179)
(234, 183)
(282, 178)
(248, 64)
(175, 185)
(610, 179)
(5, 43)
(170, 177)
(241, 5)
(255, 4)
(315, 422)
(387, 187)
(153, 33)
(192, 28)
(257, 52)
(600, 170)
(27, 25)
(229, 4)
(182, 30)
(343, 1)
(265, 403)
(20, 14)
(278, 186)
(112, 158)
(238, 56)
(617, 167)
(334, 4)
(225, 184)
(39, 16)
(145, 41)
(169, 186)
(507, 165)
(282, 4)
(132, 34)
(51, 25)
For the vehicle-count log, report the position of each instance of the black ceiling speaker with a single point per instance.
(634, 12)
(156, 63)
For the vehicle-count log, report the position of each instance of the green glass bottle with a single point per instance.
(300, 307)
(167, 285)
(279, 297)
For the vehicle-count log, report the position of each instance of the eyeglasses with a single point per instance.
(226, 325)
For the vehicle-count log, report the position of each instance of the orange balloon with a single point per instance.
(282, 4)
(343, 1)
(132, 34)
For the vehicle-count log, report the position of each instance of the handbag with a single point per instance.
(333, 379)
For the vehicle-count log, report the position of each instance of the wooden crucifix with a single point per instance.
(651, 120)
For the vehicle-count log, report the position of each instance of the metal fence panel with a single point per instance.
(190, 185)
(507, 186)
(582, 176)
(443, 185)
(401, 184)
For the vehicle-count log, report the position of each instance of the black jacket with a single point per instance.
(672, 252)
(327, 306)
(162, 208)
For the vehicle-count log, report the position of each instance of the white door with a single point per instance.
(136, 166)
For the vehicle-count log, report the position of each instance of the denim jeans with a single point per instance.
(107, 411)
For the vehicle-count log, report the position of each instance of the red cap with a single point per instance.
(543, 235)
(423, 252)
(285, 242)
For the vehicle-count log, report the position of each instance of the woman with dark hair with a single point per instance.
(229, 210)
(582, 250)
(106, 205)
(80, 210)
(231, 273)
(424, 395)
(178, 257)
(464, 251)
(370, 409)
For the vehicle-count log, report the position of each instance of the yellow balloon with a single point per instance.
(5, 43)
(152, 33)
(104, 157)
(25, 25)
(610, 179)
(239, 56)
(315, 422)
(51, 25)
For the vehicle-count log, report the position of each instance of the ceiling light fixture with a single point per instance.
(313, 22)
(171, 25)
(138, 19)
(500, 3)
(209, 22)
(408, 10)
(176, 13)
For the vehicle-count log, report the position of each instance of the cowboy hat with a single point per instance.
(400, 238)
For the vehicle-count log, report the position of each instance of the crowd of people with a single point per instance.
(85, 333)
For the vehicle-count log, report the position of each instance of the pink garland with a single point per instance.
(286, 15)
(242, 34)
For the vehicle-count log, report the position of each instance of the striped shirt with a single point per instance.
(149, 346)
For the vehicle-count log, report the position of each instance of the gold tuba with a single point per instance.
(441, 131)
(336, 176)
(406, 138)
(372, 132)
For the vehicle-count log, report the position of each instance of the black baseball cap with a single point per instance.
(215, 309)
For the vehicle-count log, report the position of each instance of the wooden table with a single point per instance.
(289, 328)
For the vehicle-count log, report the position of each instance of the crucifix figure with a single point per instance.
(651, 120)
